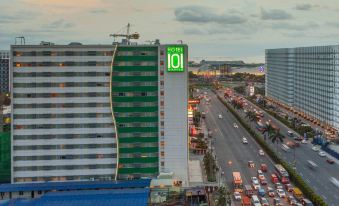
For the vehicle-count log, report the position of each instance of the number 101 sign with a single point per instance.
(175, 59)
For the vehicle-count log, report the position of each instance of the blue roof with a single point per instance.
(123, 197)
(75, 185)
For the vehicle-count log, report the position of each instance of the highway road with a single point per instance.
(228, 146)
(317, 178)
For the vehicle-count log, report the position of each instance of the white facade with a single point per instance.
(306, 78)
(62, 125)
(175, 119)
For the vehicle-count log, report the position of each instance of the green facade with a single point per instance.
(5, 157)
(137, 140)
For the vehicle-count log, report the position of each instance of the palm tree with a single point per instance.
(268, 130)
(252, 116)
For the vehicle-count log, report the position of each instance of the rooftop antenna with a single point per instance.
(22, 40)
(127, 36)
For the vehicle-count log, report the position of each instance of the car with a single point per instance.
(251, 164)
(298, 138)
(304, 141)
(291, 200)
(264, 202)
(235, 125)
(237, 196)
(261, 192)
(259, 172)
(263, 181)
(244, 140)
(256, 186)
(263, 167)
(261, 177)
(261, 152)
(315, 148)
(278, 185)
(290, 133)
(322, 154)
(277, 202)
(270, 192)
(220, 116)
(330, 161)
(289, 188)
(281, 193)
(255, 180)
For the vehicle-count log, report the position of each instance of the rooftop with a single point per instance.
(75, 185)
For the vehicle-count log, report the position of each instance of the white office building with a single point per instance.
(307, 79)
(98, 112)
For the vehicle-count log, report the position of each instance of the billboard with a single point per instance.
(175, 58)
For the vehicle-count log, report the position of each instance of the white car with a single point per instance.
(261, 152)
(256, 186)
(235, 125)
(322, 154)
(237, 196)
(315, 148)
(244, 140)
(304, 141)
(281, 193)
(255, 180)
(220, 116)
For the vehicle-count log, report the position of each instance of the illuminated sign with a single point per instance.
(194, 101)
(175, 59)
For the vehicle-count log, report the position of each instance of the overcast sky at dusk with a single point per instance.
(213, 29)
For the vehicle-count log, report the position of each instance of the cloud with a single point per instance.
(60, 24)
(199, 14)
(303, 7)
(98, 11)
(295, 27)
(274, 14)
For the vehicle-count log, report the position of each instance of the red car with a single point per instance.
(330, 161)
(289, 188)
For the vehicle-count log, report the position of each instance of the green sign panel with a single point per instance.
(175, 59)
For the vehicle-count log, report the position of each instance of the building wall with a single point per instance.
(4, 71)
(5, 157)
(279, 75)
(62, 128)
(135, 106)
(175, 118)
(315, 80)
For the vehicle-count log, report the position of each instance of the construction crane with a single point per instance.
(128, 36)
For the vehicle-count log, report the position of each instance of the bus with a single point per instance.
(237, 182)
(282, 174)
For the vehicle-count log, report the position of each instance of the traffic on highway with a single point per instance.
(250, 174)
(318, 169)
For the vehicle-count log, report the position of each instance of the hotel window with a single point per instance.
(162, 154)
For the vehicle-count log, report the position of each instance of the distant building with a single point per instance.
(218, 63)
(4, 71)
(306, 79)
(99, 112)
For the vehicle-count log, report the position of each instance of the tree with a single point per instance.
(252, 116)
(240, 89)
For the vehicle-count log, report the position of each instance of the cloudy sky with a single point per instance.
(213, 29)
